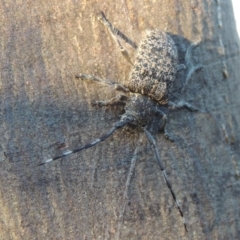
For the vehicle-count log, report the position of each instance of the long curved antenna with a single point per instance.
(126, 192)
(118, 125)
(160, 163)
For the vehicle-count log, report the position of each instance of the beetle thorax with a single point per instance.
(140, 109)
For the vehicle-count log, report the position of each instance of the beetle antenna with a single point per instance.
(118, 125)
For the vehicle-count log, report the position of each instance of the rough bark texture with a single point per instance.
(43, 45)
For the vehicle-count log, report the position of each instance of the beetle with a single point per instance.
(149, 86)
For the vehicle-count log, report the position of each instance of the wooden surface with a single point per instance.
(43, 44)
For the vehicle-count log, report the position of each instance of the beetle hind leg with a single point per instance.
(191, 68)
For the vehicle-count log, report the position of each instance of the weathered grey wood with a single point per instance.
(43, 44)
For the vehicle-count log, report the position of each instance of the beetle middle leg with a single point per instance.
(164, 119)
(118, 99)
(116, 86)
(180, 105)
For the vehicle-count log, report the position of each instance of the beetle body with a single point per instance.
(155, 66)
(151, 77)
(150, 82)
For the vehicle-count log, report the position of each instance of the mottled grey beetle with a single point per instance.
(150, 82)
